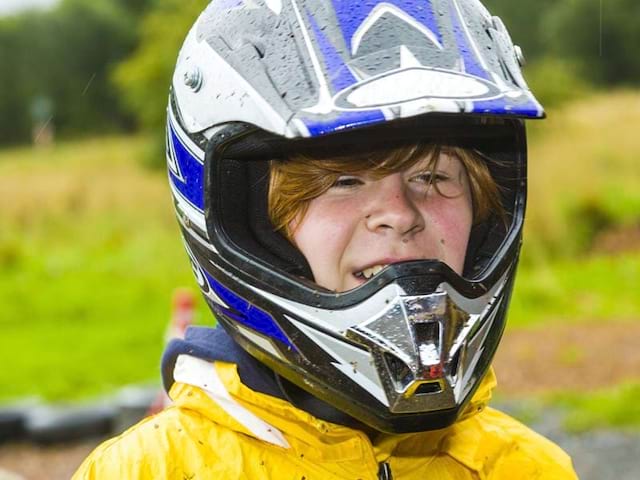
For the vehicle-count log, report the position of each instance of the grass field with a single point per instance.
(584, 175)
(610, 408)
(581, 256)
(90, 251)
(597, 288)
(89, 260)
(618, 408)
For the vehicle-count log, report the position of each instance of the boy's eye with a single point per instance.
(429, 177)
(346, 181)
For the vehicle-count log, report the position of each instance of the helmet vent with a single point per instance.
(428, 341)
(427, 332)
(400, 373)
(428, 388)
(455, 363)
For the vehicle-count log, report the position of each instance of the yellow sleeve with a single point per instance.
(176, 443)
(132, 455)
(528, 455)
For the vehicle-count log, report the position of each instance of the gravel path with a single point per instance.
(603, 455)
(25, 461)
(560, 356)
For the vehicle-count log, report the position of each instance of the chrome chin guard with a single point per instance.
(400, 361)
(426, 349)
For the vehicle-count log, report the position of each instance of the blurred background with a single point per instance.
(90, 253)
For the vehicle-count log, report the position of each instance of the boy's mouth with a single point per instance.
(369, 272)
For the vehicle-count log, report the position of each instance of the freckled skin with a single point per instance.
(361, 222)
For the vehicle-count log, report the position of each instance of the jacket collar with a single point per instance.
(214, 344)
(222, 396)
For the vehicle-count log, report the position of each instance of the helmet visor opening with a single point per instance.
(239, 190)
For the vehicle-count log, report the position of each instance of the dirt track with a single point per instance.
(583, 357)
(42, 463)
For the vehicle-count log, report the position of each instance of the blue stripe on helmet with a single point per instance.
(247, 314)
(190, 185)
(351, 14)
(471, 62)
(338, 73)
(341, 78)
(503, 106)
(343, 121)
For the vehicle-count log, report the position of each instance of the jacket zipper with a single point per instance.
(384, 471)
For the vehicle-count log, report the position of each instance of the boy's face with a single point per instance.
(362, 224)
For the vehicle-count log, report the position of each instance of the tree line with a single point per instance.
(105, 65)
(57, 64)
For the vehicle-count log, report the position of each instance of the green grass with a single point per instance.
(617, 408)
(614, 408)
(89, 315)
(88, 270)
(584, 175)
(589, 289)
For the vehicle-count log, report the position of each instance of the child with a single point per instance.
(350, 180)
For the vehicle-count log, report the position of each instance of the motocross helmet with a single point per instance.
(267, 79)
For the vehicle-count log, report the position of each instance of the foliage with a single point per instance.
(64, 56)
(68, 55)
(145, 77)
(525, 21)
(616, 407)
(598, 34)
(583, 175)
(556, 81)
(590, 34)
(87, 268)
(582, 290)
(583, 185)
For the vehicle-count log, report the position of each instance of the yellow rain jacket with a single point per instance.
(221, 429)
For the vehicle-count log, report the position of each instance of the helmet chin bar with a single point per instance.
(426, 349)
(420, 355)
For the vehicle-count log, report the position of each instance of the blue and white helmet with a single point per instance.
(262, 79)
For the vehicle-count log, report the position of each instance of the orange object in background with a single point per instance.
(182, 316)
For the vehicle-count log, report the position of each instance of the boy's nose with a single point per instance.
(393, 208)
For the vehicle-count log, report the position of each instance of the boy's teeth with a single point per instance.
(371, 271)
